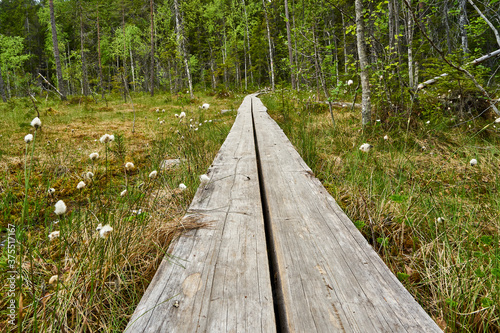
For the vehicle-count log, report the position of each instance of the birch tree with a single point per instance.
(363, 64)
(60, 82)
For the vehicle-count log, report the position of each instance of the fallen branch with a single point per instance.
(458, 68)
(473, 62)
(51, 85)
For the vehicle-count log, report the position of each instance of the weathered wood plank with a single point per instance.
(330, 277)
(220, 276)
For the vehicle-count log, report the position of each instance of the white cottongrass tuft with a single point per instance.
(428, 122)
(60, 207)
(107, 138)
(204, 179)
(53, 279)
(205, 106)
(36, 123)
(89, 175)
(440, 219)
(163, 110)
(176, 115)
(53, 235)
(157, 110)
(350, 82)
(162, 122)
(105, 231)
(51, 191)
(99, 227)
(153, 174)
(28, 138)
(129, 165)
(182, 186)
(94, 156)
(182, 115)
(81, 185)
(497, 120)
(473, 162)
(123, 193)
(365, 147)
(386, 137)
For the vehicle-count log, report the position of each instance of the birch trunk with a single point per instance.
(248, 41)
(152, 78)
(462, 22)
(289, 40)
(271, 62)
(60, 82)
(363, 64)
(125, 71)
(2, 86)
(132, 69)
(181, 44)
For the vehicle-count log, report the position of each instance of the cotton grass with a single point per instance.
(204, 179)
(365, 147)
(129, 166)
(36, 123)
(53, 235)
(28, 138)
(60, 208)
(107, 138)
(105, 231)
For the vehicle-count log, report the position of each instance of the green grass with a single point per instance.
(396, 192)
(99, 280)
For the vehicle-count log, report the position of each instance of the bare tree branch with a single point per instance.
(458, 68)
(495, 31)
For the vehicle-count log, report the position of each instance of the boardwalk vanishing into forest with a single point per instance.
(279, 255)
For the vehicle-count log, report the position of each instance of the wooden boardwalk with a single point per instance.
(279, 255)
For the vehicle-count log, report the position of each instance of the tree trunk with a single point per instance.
(132, 69)
(60, 82)
(289, 40)
(447, 26)
(363, 64)
(248, 41)
(99, 53)
(152, 51)
(125, 71)
(409, 38)
(270, 45)
(85, 80)
(462, 22)
(345, 45)
(182, 45)
(2, 86)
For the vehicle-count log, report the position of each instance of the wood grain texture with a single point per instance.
(216, 279)
(331, 279)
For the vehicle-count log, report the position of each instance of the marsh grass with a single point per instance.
(396, 192)
(99, 280)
